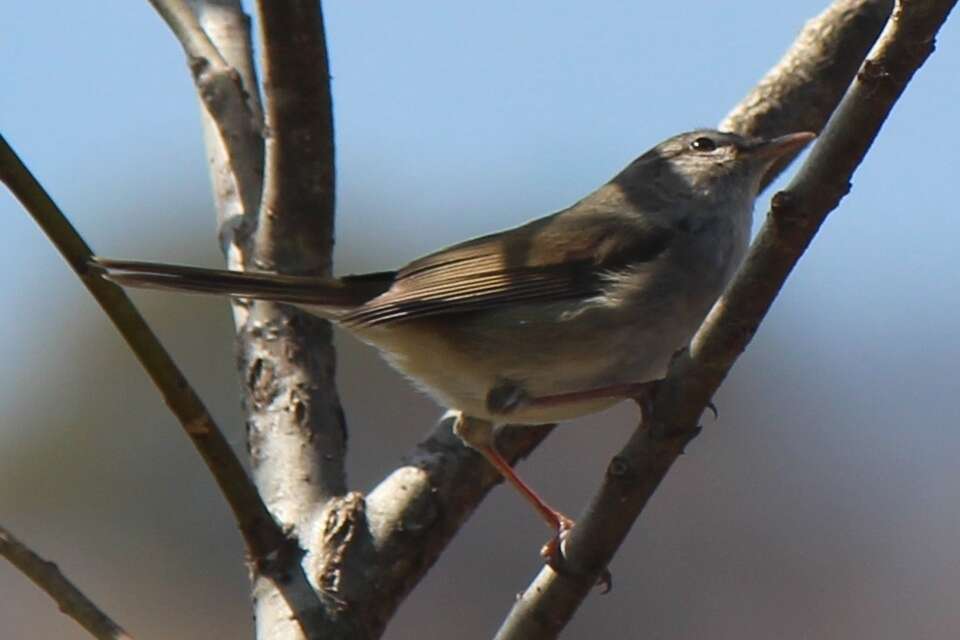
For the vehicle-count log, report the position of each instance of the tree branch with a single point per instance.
(273, 553)
(261, 534)
(796, 215)
(227, 26)
(68, 597)
(294, 233)
(380, 549)
(290, 388)
(296, 427)
(800, 92)
(221, 89)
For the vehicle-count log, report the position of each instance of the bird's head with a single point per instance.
(713, 163)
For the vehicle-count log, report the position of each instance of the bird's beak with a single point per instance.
(776, 147)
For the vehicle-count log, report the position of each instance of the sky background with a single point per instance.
(822, 503)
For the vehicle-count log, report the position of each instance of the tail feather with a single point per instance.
(348, 292)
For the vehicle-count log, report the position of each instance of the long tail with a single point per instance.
(351, 291)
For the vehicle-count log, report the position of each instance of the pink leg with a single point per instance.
(478, 434)
(554, 519)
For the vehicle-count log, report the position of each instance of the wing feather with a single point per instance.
(561, 257)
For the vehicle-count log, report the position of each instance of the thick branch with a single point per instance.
(378, 550)
(297, 430)
(286, 361)
(695, 375)
(296, 427)
(297, 214)
(68, 597)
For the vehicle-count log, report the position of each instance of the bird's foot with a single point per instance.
(552, 553)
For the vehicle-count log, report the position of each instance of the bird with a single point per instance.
(557, 318)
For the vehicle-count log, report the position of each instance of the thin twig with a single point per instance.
(221, 89)
(68, 597)
(227, 26)
(181, 19)
(796, 215)
(267, 544)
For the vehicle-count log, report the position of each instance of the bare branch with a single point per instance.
(68, 597)
(410, 518)
(269, 547)
(297, 428)
(228, 28)
(695, 375)
(222, 91)
(800, 92)
(183, 22)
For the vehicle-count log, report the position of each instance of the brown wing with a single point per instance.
(560, 257)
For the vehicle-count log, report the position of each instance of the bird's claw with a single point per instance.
(552, 554)
(605, 581)
(552, 550)
(713, 409)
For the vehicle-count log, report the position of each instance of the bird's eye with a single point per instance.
(703, 144)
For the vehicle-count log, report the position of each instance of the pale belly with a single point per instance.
(627, 337)
(459, 361)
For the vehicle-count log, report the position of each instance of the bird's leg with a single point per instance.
(478, 434)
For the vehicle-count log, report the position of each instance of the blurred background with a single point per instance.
(824, 502)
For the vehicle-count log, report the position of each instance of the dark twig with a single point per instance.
(266, 542)
(68, 597)
(796, 215)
